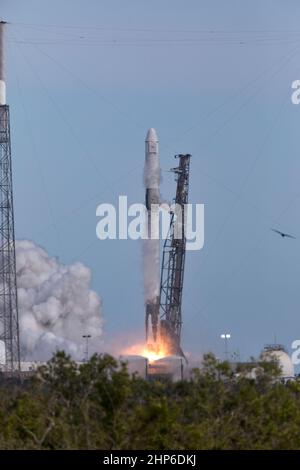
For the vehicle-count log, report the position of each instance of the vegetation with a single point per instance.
(98, 405)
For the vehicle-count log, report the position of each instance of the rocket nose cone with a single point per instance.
(151, 135)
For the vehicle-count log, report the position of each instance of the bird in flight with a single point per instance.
(282, 233)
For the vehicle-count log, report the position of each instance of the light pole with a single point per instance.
(86, 337)
(226, 337)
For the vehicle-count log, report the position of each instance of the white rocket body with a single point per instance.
(151, 263)
(152, 169)
(2, 77)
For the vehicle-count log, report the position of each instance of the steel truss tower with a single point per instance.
(172, 271)
(9, 325)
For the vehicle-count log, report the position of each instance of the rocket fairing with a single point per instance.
(151, 245)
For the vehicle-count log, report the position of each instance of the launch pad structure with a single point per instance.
(165, 312)
(9, 323)
(173, 263)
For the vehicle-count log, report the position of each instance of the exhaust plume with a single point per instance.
(56, 305)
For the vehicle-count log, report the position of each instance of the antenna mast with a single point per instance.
(9, 323)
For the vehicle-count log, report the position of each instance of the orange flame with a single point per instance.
(153, 354)
(150, 352)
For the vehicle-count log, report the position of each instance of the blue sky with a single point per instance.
(86, 80)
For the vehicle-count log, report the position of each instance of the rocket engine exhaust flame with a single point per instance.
(150, 351)
(154, 352)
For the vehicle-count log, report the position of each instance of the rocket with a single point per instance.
(152, 169)
(151, 244)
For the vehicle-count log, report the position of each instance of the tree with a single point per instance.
(98, 405)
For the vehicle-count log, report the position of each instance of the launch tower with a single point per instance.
(9, 325)
(172, 270)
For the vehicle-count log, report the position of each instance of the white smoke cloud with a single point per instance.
(56, 305)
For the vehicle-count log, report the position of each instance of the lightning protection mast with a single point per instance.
(9, 324)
